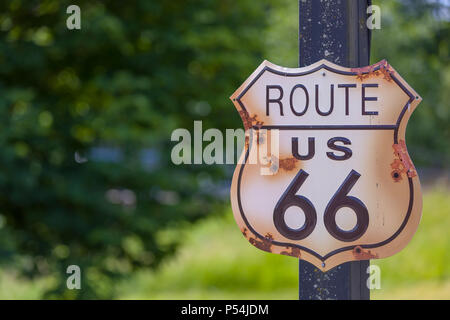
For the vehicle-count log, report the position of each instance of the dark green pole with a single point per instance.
(334, 30)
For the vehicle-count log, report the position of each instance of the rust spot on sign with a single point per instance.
(361, 254)
(248, 121)
(247, 142)
(403, 163)
(294, 252)
(245, 119)
(287, 164)
(263, 244)
(386, 71)
(380, 68)
(269, 236)
(244, 232)
(396, 174)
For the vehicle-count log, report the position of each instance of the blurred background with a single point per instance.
(86, 118)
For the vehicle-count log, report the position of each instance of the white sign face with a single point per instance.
(337, 184)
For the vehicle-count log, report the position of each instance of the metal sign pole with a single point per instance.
(334, 30)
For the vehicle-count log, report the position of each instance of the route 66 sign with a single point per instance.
(338, 184)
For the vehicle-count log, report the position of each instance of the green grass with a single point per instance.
(13, 287)
(216, 262)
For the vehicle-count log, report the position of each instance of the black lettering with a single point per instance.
(331, 101)
(332, 145)
(364, 99)
(341, 199)
(311, 149)
(292, 102)
(272, 100)
(347, 87)
(290, 198)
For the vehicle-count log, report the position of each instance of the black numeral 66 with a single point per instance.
(339, 200)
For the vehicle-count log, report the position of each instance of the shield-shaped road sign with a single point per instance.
(337, 184)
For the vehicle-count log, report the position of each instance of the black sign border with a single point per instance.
(346, 127)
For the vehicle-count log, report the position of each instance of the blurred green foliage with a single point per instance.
(87, 115)
(112, 92)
